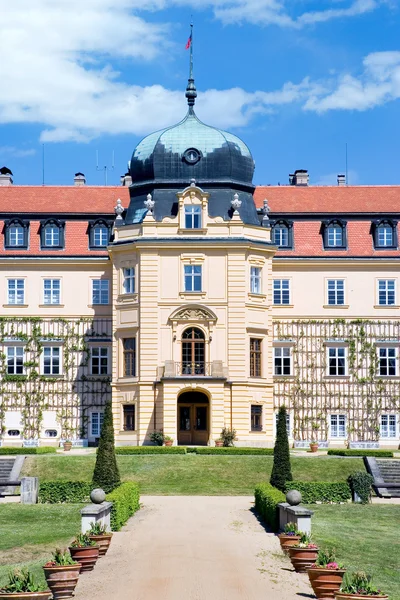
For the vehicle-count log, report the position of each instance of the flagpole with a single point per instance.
(191, 52)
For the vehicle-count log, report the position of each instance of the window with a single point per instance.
(16, 291)
(100, 291)
(16, 233)
(282, 361)
(96, 423)
(129, 345)
(336, 291)
(129, 280)
(99, 234)
(99, 361)
(256, 417)
(334, 234)
(388, 426)
(255, 280)
(386, 292)
(282, 234)
(387, 362)
(51, 291)
(287, 423)
(51, 360)
(192, 278)
(51, 433)
(281, 291)
(13, 432)
(384, 234)
(192, 217)
(338, 426)
(52, 234)
(129, 417)
(15, 360)
(255, 357)
(193, 352)
(337, 361)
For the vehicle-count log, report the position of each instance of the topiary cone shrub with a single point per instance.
(106, 473)
(281, 470)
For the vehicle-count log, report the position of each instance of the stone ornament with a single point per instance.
(149, 204)
(97, 496)
(293, 497)
(236, 203)
(119, 209)
(188, 314)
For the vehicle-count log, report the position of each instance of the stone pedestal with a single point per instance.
(96, 513)
(29, 490)
(295, 514)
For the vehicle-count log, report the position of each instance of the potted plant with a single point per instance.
(67, 445)
(313, 445)
(326, 574)
(22, 586)
(99, 534)
(85, 551)
(289, 537)
(157, 437)
(62, 574)
(228, 436)
(357, 587)
(168, 441)
(303, 554)
(219, 443)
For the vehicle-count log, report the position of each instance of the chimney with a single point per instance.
(79, 179)
(291, 178)
(341, 180)
(5, 176)
(126, 179)
(300, 177)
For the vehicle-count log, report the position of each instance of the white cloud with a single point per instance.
(8, 151)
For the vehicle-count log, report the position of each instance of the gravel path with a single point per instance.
(194, 548)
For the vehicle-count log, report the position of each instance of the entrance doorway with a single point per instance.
(193, 419)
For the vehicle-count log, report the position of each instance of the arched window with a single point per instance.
(52, 234)
(282, 234)
(384, 234)
(193, 352)
(16, 233)
(99, 234)
(334, 234)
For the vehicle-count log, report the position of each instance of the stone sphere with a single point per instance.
(293, 497)
(98, 496)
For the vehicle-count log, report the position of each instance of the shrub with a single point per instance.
(377, 453)
(361, 484)
(60, 492)
(106, 473)
(228, 436)
(281, 471)
(157, 437)
(42, 450)
(233, 450)
(151, 450)
(321, 491)
(267, 499)
(125, 499)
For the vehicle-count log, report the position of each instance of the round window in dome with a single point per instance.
(191, 156)
(13, 432)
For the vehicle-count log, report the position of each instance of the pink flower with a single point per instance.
(332, 565)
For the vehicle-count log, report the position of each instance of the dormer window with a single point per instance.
(16, 234)
(52, 234)
(384, 234)
(282, 234)
(334, 235)
(99, 234)
(192, 216)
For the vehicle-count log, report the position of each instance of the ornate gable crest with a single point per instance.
(193, 312)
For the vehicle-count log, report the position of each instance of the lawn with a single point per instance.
(191, 473)
(29, 534)
(365, 537)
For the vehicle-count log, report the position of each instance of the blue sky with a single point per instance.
(295, 79)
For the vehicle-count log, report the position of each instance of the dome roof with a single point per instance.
(189, 150)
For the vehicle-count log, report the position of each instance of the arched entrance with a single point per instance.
(193, 419)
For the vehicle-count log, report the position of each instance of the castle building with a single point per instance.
(196, 301)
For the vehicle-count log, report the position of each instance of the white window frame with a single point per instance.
(195, 274)
(384, 240)
(338, 426)
(54, 354)
(386, 291)
(333, 290)
(283, 291)
(16, 290)
(282, 353)
(102, 352)
(389, 430)
(53, 294)
(103, 291)
(255, 280)
(129, 282)
(336, 358)
(192, 215)
(101, 236)
(281, 235)
(334, 240)
(98, 422)
(16, 232)
(51, 236)
(13, 353)
(395, 355)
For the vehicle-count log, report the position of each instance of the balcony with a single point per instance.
(172, 369)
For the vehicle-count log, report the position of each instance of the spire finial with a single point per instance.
(191, 93)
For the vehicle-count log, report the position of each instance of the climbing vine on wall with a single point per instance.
(362, 395)
(72, 393)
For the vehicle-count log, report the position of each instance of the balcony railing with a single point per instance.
(193, 369)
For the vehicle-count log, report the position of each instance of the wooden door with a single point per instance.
(193, 424)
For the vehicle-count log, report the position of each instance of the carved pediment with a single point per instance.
(193, 312)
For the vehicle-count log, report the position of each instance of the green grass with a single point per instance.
(366, 538)
(191, 473)
(29, 534)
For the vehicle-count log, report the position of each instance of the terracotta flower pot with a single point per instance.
(26, 596)
(62, 580)
(325, 582)
(219, 443)
(67, 446)
(103, 541)
(87, 556)
(302, 558)
(288, 540)
(313, 447)
(343, 596)
(168, 442)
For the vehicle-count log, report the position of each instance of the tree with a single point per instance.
(106, 473)
(281, 470)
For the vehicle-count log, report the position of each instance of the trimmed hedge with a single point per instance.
(59, 492)
(234, 450)
(321, 491)
(125, 499)
(377, 453)
(151, 450)
(267, 499)
(42, 450)
(361, 484)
